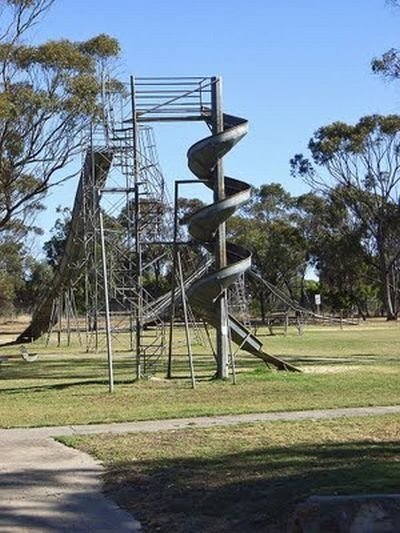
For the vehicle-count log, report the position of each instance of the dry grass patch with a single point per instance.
(245, 477)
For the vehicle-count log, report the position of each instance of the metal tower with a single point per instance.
(185, 99)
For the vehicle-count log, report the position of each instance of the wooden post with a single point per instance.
(59, 318)
(68, 313)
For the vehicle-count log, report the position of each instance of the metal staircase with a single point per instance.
(133, 250)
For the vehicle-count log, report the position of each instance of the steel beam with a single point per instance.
(217, 126)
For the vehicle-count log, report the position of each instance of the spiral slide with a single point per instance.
(202, 158)
(203, 225)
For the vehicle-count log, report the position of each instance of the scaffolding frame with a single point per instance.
(187, 99)
(129, 199)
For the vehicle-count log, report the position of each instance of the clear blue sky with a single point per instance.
(289, 66)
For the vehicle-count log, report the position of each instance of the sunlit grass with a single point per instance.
(356, 366)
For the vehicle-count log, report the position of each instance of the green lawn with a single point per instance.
(354, 367)
(245, 477)
(255, 473)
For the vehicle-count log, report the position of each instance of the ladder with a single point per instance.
(238, 301)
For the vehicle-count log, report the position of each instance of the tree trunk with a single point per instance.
(262, 306)
(359, 309)
(385, 279)
(387, 298)
(303, 301)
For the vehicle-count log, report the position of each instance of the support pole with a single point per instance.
(174, 271)
(138, 252)
(185, 314)
(220, 246)
(68, 313)
(59, 316)
(88, 235)
(231, 354)
(173, 281)
(53, 317)
(107, 307)
(75, 315)
(95, 208)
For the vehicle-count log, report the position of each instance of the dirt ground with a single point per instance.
(10, 328)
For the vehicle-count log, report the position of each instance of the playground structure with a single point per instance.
(122, 225)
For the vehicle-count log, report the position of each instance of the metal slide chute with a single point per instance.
(95, 169)
(203, 225)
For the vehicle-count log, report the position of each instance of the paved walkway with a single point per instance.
(47, 487)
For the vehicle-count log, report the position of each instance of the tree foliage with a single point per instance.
(268, 225)
(388, 65)
(47, 93)
(21, 276)
(54, 247)
(361, 163)
(336, 252)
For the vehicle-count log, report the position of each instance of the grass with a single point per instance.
(245, 477)
(354, 367)
(181, 480)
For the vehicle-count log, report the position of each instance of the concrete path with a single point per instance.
(47, 487)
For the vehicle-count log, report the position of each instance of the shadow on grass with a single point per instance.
(59, 369)
(252, 491)
(60, 375)
(66, 385)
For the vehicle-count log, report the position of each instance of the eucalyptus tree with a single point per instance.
(47, 94)
(361, 162)
(388, 65)
(268, 225)
(343, 265)
(11, 272)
